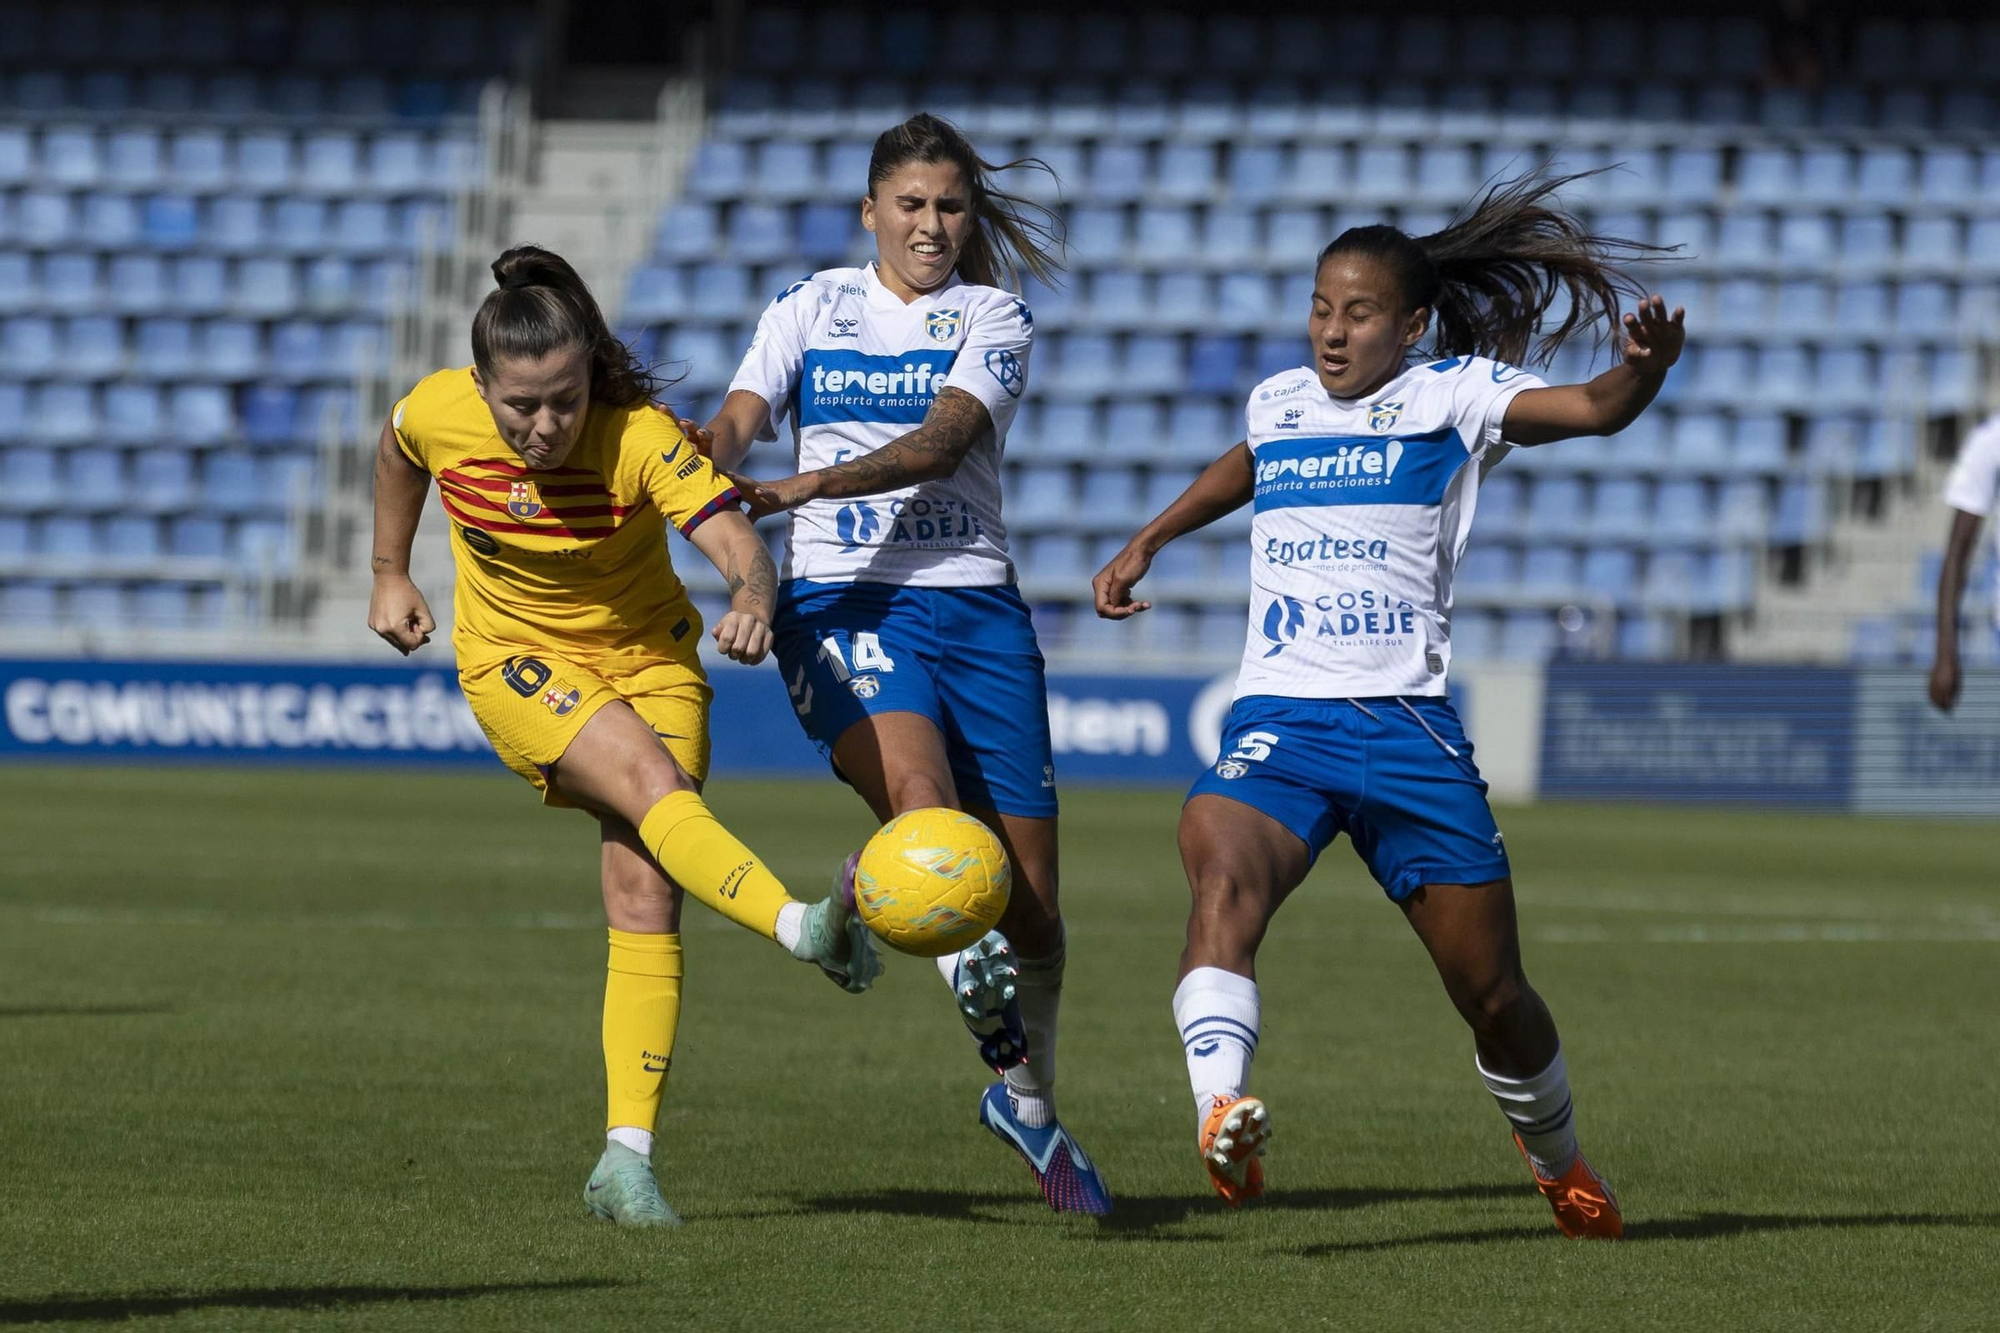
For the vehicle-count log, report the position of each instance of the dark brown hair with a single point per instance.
(1010, 235)
(1492, 274)
(541, 306)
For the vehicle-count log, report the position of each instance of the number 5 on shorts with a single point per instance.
(1254, 745)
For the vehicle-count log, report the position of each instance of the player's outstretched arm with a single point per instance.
(396, 610)
(725, 440)
(956, 422)
(1959, 546)
(739, 555)
(1611, 402)
(1223, 487)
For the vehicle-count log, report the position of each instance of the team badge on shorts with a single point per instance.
(1382, 417)
(523, 500)
(1231, 769)
(865, 687)
(942, 325)
(562, 698)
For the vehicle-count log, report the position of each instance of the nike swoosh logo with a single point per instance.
(669, 458)
(593, 1187)
(654, 1069)
(1208, 1048)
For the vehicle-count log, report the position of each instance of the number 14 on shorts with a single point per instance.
(867, 659)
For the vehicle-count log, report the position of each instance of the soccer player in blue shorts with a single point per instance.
(1364, 468)
(909, 655)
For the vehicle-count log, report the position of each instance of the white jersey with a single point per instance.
(1974, 484)
(1361, 513)
(855, 367)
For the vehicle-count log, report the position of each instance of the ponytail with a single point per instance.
(1491, 275)
(1010, 235)
(541, 306)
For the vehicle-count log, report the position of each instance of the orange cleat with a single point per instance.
(1232, 1140)
(1585, 1207)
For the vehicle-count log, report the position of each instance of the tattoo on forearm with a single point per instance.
(956, 422)
(759, 582)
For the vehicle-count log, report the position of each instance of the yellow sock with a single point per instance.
(706, 860)
(642, 1009)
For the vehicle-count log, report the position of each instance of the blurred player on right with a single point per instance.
(1970, 493)
(1364, 469)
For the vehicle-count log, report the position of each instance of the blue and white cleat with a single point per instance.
(1070, 1184)
(984, 988)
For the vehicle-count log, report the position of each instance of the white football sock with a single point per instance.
(638, 1140)
(1038, 990)
(1538, 1107)
(791, 924)
(1217, 1013)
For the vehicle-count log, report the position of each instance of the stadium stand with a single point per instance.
(206, 214)
(1839, 252)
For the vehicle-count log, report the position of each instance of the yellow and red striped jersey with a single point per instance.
(573, 556)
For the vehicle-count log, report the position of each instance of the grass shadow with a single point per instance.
(82, 1010)
(154, 1304)
(1701, 1226)
(1135, 1216)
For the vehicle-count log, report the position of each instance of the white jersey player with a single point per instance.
(910, 656)
(1970, 492)
(1364, 471)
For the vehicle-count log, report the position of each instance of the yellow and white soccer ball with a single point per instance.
(932, 881)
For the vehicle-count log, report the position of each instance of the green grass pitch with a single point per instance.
(290, 1050)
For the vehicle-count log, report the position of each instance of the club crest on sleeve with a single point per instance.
(562, 698)
(942, 325)
(1005, 367)
(1383, 416)
(523, 500)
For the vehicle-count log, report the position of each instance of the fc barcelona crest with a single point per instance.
(1383, 416)
(523, 500)
(562, 698)
(942, 325)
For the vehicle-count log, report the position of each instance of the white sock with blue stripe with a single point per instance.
(1217, 1013)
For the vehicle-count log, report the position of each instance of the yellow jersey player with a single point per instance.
(576, 648)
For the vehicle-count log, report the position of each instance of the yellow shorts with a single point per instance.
(532, 705)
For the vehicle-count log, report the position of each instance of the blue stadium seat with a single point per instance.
(1110, 496)
(1232, 235)
(134, 414)
(721, 170)
(1767, 175)
(28, 480)
(1611, 572)
(198, 414)
(719, 290)
(17, 155)
(1783, 377)
(1742, 239)
(396, 162)
(165, 347)
(269, 286)
(1135, 428)
(654, 293)
(1078, 108)
(198, 160)
(92, 346)
(1861, 305)
(1801, 518)
(1693, 175)
(827, 232)
(1550, 571)
(1500, 506)
(198, 537)
(44, 218)
(1187, 171)
(1885, 176)
(1296, 236)
(28, 344)
(1475, 635)
(1556, 504)
(1743, 513)
(1844, 377)
(1701, 443)
(1183, 299)
(93, 480)
(686, 231)
(1488, 569)
(264, 161)
(1884, 450)
(24, 602)
(270, 415)
(110, 221)
(1527, 636)
(1041, 495)
(102, 606)
(172, 221)
(1118, 296)
(69, 282)
(236, 223)
(200, 284)
(1215, 364)
(1166, 234)
(1620, 510)
(229, 349)
(1070, 430)
(129, 541)
(71, 156)
(229, 484)
(1099, 234)
(64, 413)
(162, 479)
(1141, 109)
(1681, 512)
(69, 538)
(760, 232)
(785, 169)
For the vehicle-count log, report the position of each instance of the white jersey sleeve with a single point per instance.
(1974, 483)
(992, 363)
(1482, 390)
(771, 366)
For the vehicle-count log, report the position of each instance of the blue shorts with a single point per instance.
(1376, 768)
(965, 658)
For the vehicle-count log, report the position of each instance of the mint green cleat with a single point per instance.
(837, 940)
(622, 1190)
